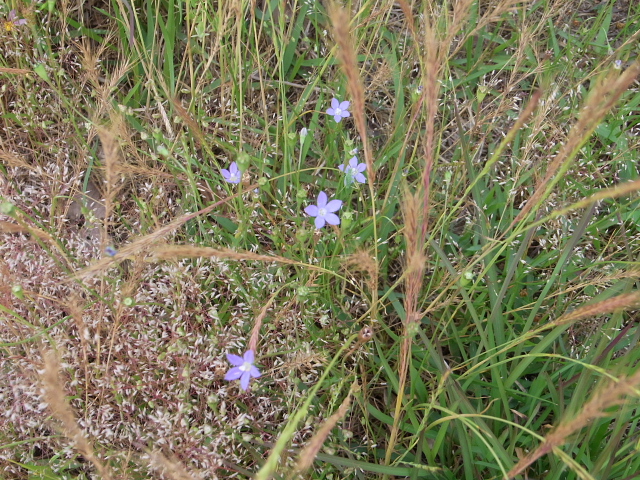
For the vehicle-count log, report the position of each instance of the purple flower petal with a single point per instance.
(234, 360)
(255, 373)
(244, 381)
(322, 200)
(360, 178)
(334, 101)
(22, 21)
(332, 219)
(234, 374)
(226, 174)
(249, 356)
(361, 168)
(338, 118)
(320, 221)
(311, 210)
(333, 205)
(341, 167)
(344, 106)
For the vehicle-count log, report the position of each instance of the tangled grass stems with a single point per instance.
(607, 396)
(497, 264)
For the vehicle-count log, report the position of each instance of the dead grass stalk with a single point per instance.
(171, 468)
(56, 399)
(306, 457)
(600, 101)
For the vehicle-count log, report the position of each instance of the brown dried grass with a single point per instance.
(348, 60)
(309, 453)
(55, 397)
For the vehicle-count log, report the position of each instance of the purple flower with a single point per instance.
(323, 211)
(13, 21)
(233, 175)
(111, 251)
(354, 171)
(243, 368)
(339, 110)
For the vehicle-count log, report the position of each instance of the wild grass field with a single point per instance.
(300, 239)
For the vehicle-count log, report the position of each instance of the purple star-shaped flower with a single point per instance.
(13, 21)
(243, 368)
(354, 171)
(233, 175)
(339, 110)
(323, 211)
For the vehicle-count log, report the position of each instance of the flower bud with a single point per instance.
(7, 208)
(243, 161)
(303, 292)
(466, 278)
(347, 219)
(17, 291)
(302, 235)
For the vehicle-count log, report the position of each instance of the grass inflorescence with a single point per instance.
(292, 239)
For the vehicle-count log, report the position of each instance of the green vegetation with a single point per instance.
(472, 315)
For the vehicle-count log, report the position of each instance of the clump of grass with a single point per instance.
(478, 285)
(605, 398)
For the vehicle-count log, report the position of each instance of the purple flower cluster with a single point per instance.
(324, 212)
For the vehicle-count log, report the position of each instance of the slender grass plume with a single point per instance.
(55, 396)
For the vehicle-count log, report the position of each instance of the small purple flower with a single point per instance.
(233, 175)
(243, 368)
(354, 171)
(13, 21)
(323, 211)
(111, 251)
(339, 110)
